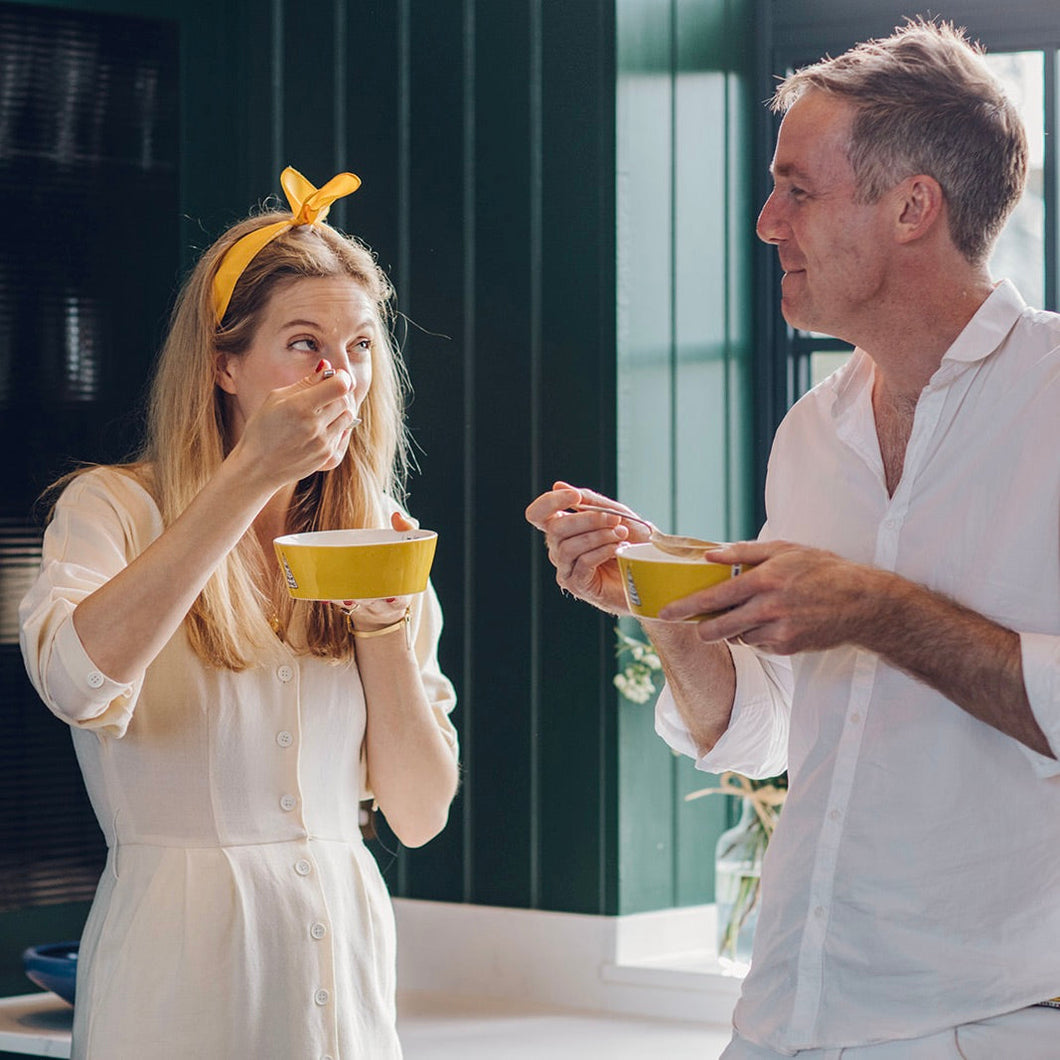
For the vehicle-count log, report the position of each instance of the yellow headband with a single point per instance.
(309, 206)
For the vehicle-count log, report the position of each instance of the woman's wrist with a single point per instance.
(361, 632)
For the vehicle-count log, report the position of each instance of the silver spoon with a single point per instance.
(672, 544)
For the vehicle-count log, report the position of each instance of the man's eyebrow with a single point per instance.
(786, 169)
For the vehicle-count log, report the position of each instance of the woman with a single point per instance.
(226, 733)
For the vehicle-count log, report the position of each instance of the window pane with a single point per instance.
(1020, 252)
(824, 362)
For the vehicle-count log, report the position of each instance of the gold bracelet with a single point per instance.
(405, 620)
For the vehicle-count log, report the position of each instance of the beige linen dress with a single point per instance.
(239, 914)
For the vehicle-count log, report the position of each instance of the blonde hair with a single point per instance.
(188, 438)
(925, 101)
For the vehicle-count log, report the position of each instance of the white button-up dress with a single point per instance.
(239, 914)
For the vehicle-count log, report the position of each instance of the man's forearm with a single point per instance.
(701, 677)
(971, 660)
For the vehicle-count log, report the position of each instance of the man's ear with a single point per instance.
(223, 373)
(919, 207)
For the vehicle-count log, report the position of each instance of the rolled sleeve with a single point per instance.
(756, 740)
(94, 700)
(1040, 655)
(87, 542)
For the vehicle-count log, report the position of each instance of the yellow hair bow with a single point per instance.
(309, 206)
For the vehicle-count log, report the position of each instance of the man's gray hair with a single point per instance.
(927, 102)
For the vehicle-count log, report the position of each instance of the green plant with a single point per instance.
(641, 677)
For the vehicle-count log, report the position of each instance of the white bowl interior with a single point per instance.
(353, 538)
(647, 552)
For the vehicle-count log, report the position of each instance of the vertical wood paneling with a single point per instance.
(500, 779)
(682, 377)
(575, 439)
(437, 351)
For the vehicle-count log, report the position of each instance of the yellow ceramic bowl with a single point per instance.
(652, 579)
(356, 564)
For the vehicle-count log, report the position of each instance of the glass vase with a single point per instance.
(737, 879)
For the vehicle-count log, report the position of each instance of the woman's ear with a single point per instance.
(920, 206)
(223, 373)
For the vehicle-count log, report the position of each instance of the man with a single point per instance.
(896, 642)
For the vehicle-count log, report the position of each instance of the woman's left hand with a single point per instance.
(376, 613)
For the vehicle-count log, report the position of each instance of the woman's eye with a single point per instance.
(363, 345)
(310, 345)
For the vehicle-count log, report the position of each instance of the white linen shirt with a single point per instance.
(913, 882)
(240, 913)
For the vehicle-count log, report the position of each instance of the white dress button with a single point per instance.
(318, 930)
(285, 673)
(288, 803)
(325, 1058)
(303, 867)
(95, 679)
(284, 738)
(321, 997)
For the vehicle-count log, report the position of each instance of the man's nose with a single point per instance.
(770, 224)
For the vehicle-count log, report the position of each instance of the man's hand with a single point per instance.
(791, 599)
(582, 545)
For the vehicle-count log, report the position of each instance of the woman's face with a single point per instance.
(304, 321)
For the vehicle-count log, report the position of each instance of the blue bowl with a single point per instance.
(53, 966)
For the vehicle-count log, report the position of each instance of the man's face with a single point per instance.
(832, 249)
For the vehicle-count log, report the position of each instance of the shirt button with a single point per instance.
(321, 997)
(288, 803)
(95, 679)
(819, 912)
(318, 930)
(285, 673)
(284, 738)
(303, 867)
(834, 815)
(855, 718)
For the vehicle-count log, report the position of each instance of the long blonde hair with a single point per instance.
(188, 438)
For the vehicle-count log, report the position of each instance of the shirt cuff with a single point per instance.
(755, 742)
(1040, 656)
(92, 700)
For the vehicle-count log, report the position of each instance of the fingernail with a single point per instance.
(320, 365)
(391, 599)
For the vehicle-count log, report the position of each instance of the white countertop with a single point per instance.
(35, 1025)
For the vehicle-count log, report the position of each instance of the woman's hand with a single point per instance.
(299, 429)
(367, 615)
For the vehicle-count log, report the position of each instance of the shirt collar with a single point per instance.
(981, 336)
(987, 329)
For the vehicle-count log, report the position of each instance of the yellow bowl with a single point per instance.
(652, 579)
(356, 564)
